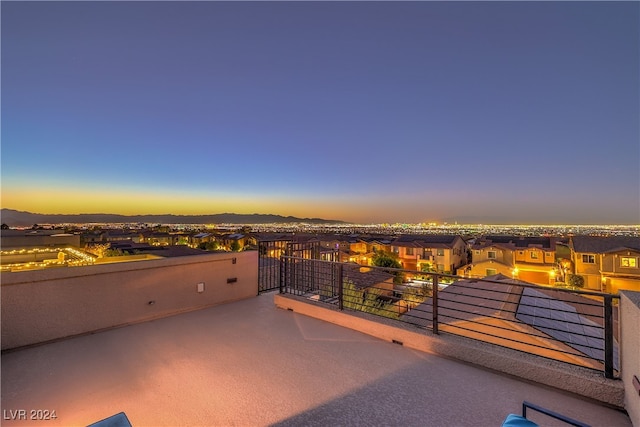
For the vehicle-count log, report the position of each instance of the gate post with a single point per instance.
(282, 273)
(434, 301)
(340, 287)
(608, 336)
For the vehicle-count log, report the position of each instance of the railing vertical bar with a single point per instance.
(299, 276)
(281, 275)
(434, 299)
(608, 336)
(340, 287)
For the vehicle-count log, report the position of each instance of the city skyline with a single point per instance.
(365, 112)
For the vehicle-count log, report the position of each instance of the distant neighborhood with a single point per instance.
(598, 263)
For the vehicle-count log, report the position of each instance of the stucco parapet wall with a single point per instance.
(41, 306)
(632, 296)
(62, 273)
(630, 351)
(575, 379)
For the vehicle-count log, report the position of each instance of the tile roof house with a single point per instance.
(443, 253)
(528, 258)
(607, 264)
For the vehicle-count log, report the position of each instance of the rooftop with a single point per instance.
(597, 244)
(249, 363)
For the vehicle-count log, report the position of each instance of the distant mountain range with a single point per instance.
(15, 218)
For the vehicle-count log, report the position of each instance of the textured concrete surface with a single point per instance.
(571, 378)
(251, 364)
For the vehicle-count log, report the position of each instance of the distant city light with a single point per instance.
(76, 258)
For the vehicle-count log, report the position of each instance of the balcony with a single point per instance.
(247, 362)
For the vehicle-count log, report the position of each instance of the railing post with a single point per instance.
(434, 300)
(608, 336)
(281, 266)
(340, 287)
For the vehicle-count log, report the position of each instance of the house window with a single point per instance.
(427, 253)
(491, 254)
(629, 262)
(440, 268)
(534, 255)
(491, 272)
(409, 251)
(588, 259)
(440, 252)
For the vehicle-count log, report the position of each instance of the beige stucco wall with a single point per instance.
(502, 255)
(630, 351)
(480, 269)
(617, 284)
(45, 305)
(544, 257)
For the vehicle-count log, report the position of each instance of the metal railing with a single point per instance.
(573, 326)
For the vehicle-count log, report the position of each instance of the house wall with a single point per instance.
(445, 260)
(407, 259)
(528, 255)
(630, 352)
(480, 269)
(459, 254)
(612, 263)
(379, 247)
(451, 259)
(502, 255)
(358, 247)
(534, 276)
(616, 284)
(44, 305)
(590, 272)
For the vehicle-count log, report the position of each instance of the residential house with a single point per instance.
(156, 238)
(532, 259)
(228, 240)
(607, 264)
(199, 238)
(442, 253)
(272, 246)
(121, 236)
(489, 258)
(338, 243)
(364, 248)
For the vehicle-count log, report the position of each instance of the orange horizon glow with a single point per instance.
(86, 201)
(426, 207)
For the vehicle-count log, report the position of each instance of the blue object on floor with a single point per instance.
(117, 420)
(514, 420)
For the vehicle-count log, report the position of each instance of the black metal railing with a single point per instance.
(574, 326)
(269, 253)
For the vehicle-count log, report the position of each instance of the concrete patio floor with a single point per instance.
(251, 364)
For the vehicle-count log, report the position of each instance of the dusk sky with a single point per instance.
(496, 112)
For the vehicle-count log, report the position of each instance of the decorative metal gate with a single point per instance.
(269, 253)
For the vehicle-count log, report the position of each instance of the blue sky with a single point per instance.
(500, 112)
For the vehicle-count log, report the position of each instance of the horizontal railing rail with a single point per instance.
(574, 326)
